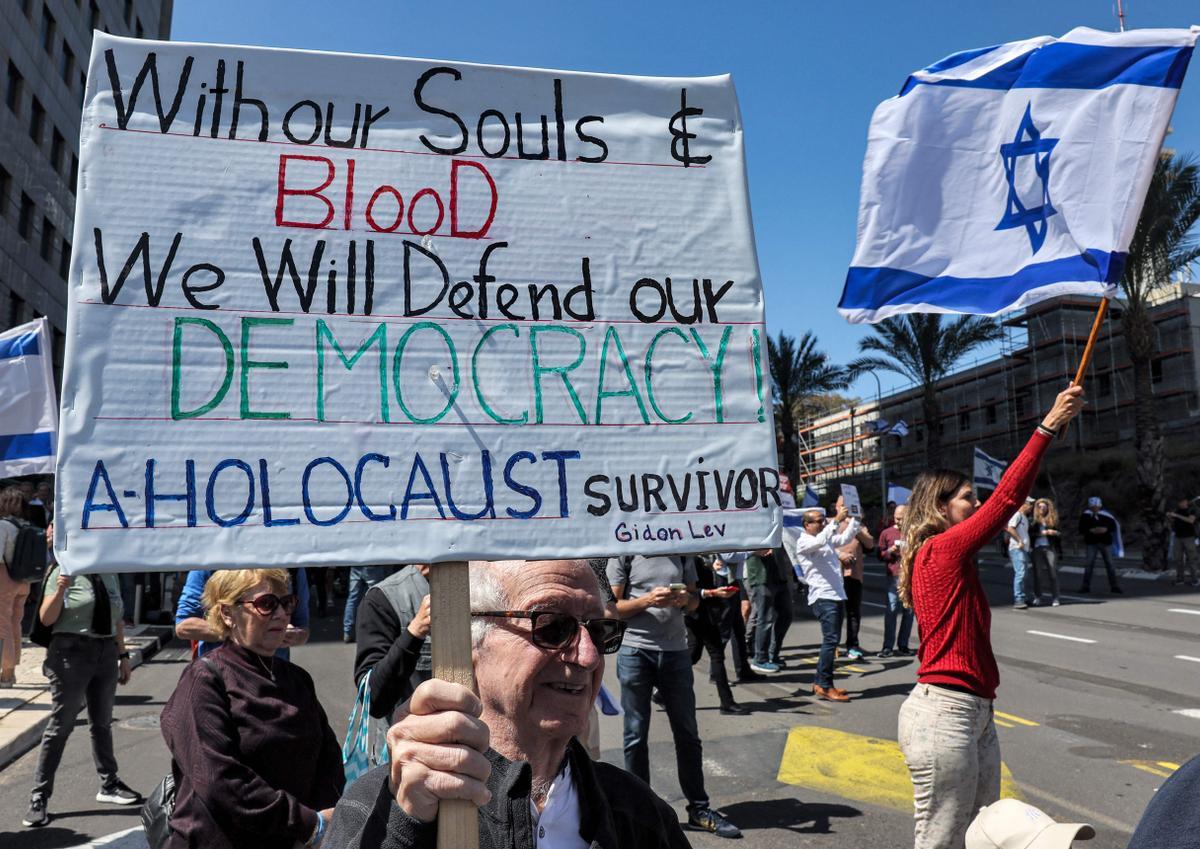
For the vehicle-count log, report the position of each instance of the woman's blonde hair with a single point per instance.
(12, 502)
(1051, 519)
(226, 586)
(924, 519)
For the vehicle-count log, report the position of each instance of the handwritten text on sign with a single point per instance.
(344, 309)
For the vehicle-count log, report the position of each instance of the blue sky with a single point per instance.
(808, 76)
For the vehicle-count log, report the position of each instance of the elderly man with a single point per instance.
(539, 637)
(816, 553)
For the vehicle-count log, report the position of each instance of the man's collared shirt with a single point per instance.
(816, 556)
(557, 826)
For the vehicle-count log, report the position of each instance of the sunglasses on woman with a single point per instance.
(268, 603)
(555, 631)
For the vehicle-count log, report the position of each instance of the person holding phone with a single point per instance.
(85, 661)
(710, 628)
(652, 594)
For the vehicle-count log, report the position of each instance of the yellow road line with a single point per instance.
(1168, 765)
(1004, 724)
(1146, 766)
(854, 669)
(856, 767)
(1026, 722)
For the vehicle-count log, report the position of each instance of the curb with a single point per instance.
(142, 643)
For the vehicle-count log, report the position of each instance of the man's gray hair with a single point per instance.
(488, 593)
(490, 580)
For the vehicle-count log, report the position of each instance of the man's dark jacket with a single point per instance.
(616, 811)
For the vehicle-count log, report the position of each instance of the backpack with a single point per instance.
(29, 562)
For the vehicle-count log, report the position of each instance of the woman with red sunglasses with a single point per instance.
(255, 761)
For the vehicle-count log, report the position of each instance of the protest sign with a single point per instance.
(335, 309)
(851, 501)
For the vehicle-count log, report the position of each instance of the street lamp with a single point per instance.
(883, 499)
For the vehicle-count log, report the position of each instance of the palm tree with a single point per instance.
(922, 348)
(1163, 245)
(798, 370)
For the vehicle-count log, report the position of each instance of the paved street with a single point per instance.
(1099, 700)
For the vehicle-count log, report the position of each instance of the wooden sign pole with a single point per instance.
(450, 633)
(1086, 359)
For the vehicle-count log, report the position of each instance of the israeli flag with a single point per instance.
(28, 402)
(1003, 176)
(900, 428)
(898, 494)
(988, 469)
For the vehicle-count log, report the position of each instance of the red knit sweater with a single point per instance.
(953, 615)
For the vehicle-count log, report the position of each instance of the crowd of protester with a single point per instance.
(255, 762)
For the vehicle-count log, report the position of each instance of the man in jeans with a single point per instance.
(1098, 529)
(771, 597)
(652, 594)
(1183, 532)
(816, 553)
(891, 549)
(1019, 551)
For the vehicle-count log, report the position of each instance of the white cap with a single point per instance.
(1012, 824)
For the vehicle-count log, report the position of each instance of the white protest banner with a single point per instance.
(345, 309)
(851, 501)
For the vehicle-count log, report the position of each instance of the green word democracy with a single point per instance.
(619, 375)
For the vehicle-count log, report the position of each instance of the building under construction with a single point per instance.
(995, 404)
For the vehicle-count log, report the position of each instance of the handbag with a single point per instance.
(365, 747)
(40, 633)
(160, 804)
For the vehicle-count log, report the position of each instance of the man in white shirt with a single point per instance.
(1019, 551)
(816, 555)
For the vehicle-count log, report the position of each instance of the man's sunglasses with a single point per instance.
(268, 603)
(551, 630)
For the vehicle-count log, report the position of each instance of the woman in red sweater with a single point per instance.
(947, 733)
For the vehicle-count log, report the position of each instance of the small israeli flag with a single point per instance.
(28, 402)
(988, 469)
(900, 428)
(1003, 176)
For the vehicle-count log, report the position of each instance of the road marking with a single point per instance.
(1183, 610)
(1061, 637)
(856, 767)
(1191, 713)
(1011, 718)
(1151, 767)
(1003, 724)
(877, 604)
(1187, 657)
(1168, 765)
(853, 668)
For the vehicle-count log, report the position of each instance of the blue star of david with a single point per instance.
(1027, 142)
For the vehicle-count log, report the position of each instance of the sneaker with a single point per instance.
(767, 668)
(1056, 603)
(905, 652)
(1020, 605)
(706, 819)
(1037, 602)
(855, 654)
(347, 638)
(36, 816)
(117, 793)
(657, 698)
(781, 663)
(887, 653)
